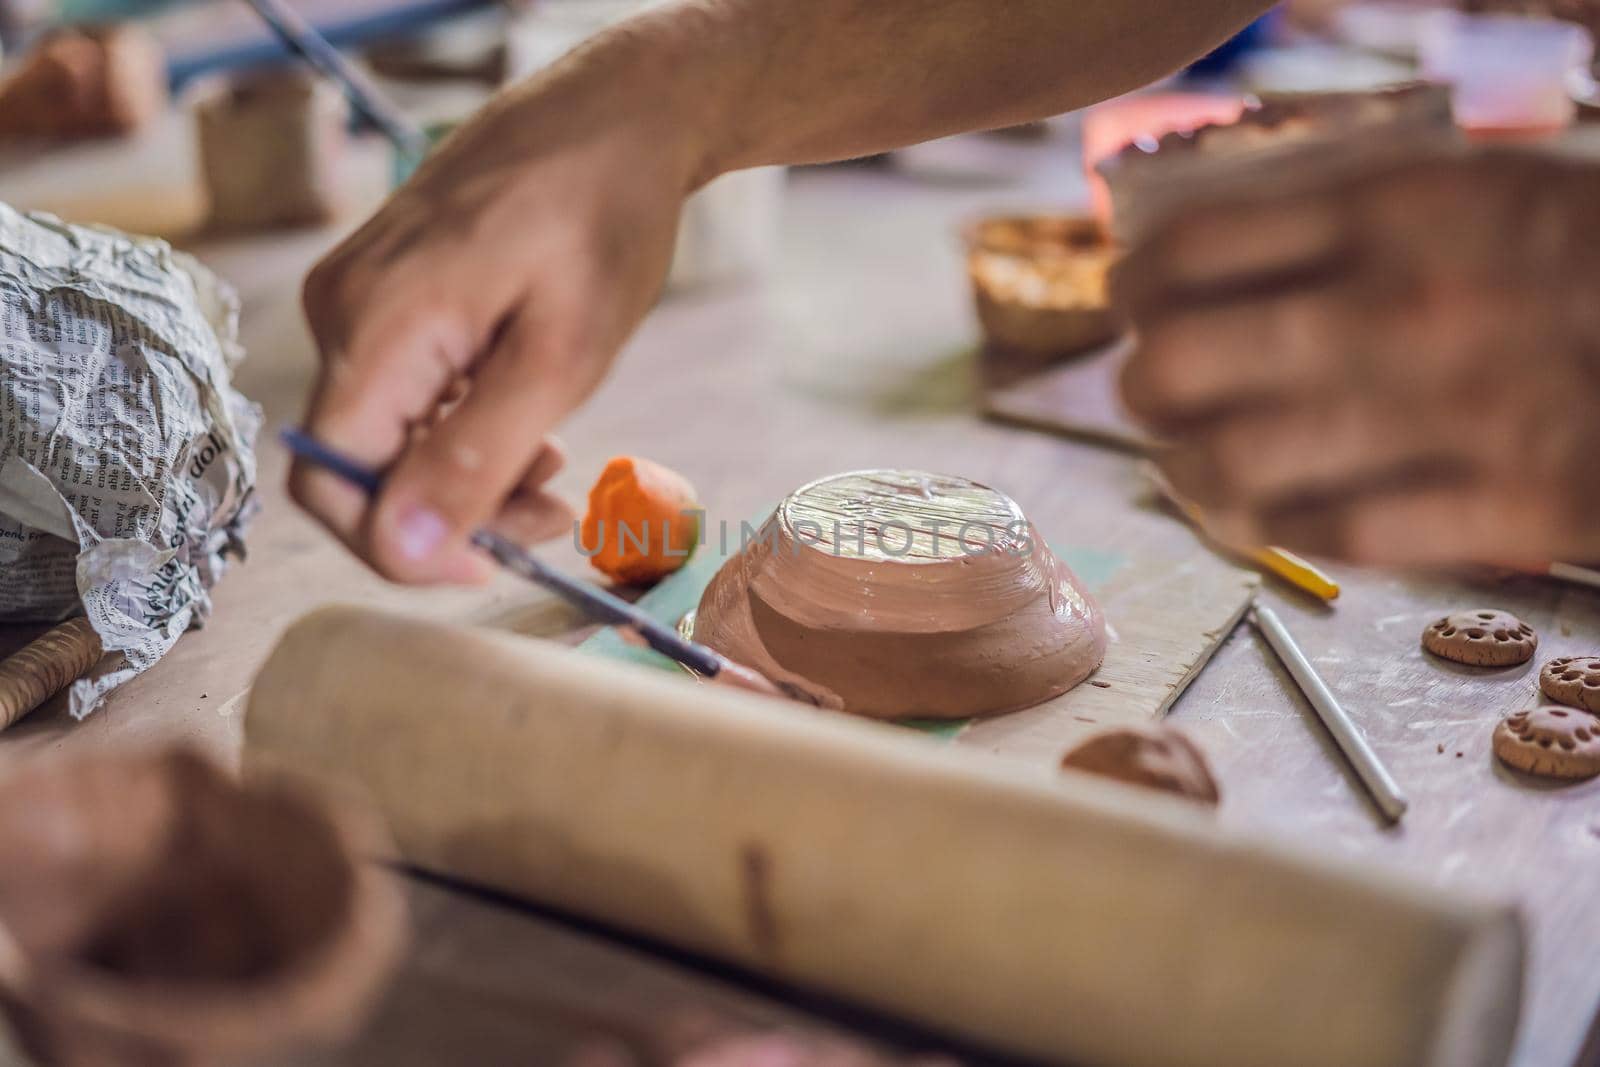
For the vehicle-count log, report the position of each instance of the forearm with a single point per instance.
(487, 297)
(801, 81)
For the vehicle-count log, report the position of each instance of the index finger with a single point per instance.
(365, 401)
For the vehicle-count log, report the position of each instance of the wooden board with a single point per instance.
(1166, 614)
(1075, 398)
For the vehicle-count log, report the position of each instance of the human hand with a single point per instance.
(482, 303)
(1402, 369)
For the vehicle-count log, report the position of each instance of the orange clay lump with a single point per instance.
(643, 521)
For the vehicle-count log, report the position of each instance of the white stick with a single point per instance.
(1373, 774)
(1569, 572)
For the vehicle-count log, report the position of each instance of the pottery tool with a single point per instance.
(1373, 774)
(1298, 572)
(1057, 916)
(300, 37)
(594, 602)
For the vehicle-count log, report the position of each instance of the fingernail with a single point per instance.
(419, 532)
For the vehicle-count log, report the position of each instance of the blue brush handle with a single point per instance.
(314, 451)
(593, 601)
(300, 37)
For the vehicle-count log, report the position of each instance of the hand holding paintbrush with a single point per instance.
(593, 601)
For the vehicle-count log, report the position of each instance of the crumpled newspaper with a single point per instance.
(127, 468)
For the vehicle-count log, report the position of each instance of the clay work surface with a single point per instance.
(859, 353)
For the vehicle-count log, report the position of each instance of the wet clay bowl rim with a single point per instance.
(70, 1011)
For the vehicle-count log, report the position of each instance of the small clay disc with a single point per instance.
(1481, 638)
(1550, 741)
(1573, 680)
(1155, 758)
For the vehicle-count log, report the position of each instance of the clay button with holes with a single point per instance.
(1481, 638)
(1573, 680)
(1551, 742)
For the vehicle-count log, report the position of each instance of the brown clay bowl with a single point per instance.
(152, 911)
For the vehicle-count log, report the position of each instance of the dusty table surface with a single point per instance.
(857, 352)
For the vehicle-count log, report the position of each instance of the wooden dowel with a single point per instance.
(45, 667)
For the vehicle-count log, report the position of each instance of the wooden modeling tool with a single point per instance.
(593, 601)
(1373, 774)
(1298, 572)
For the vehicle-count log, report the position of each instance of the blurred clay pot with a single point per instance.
(1040, 283)
(153, 911)
(85, 81)
(273, 149)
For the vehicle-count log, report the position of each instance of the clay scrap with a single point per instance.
(1155, 757)
(643, 521)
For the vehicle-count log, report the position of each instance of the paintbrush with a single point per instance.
(593, 601)
(299, 36)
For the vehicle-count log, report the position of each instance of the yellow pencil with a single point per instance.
(1298, 572)
(1295, 570)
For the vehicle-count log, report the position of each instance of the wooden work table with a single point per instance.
(857, 352)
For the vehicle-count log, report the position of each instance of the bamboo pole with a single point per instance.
(46, 666)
